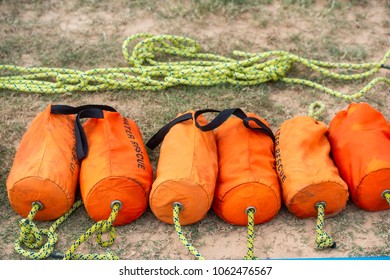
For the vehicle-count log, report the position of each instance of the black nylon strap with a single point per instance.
(219, 119)
(81, 138)
(69, 110)
(159, 136)
(263, 127)
(226, 114)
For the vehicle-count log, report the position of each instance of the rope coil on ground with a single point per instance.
(32, 237)
(176, 210)
(323, 239)
(202, 69)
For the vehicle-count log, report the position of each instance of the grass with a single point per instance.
(325, 31)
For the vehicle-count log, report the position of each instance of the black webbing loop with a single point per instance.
(69, 110)
(81, 138)
(262, 126)
(159, 136)
(225, 114)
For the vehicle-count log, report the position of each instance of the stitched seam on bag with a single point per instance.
(360, 183)
(67, 197)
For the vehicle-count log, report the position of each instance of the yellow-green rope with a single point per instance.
(386, 195)
(176, 210)
(200, 69)
(99, 227)
(251, 235)
(316, 109)
(32, 237)
(323, 240)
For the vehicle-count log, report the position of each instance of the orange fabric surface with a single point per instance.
(247, 176)
(186, 173)
(306, 171)
(45, 167)
(360, 139)
(117, 167)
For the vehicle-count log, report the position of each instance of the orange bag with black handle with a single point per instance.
(46, 169)
(187, 170)
(311, 184)
(115, 166)
(247, 178)
(360, 139)
(306, 171)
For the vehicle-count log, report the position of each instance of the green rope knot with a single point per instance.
(316, 109)
(323, 239)
(251, 223)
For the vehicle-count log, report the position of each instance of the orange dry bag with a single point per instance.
(360, 139)
(186, 172)
(45, 168)
(306, 170)
(311, 184)
(115, 166)
(247, 177)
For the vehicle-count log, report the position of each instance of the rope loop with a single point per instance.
(316, 109)
(323, 239)
(99, 227)
(176, 210)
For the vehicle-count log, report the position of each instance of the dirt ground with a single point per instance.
(85, 34)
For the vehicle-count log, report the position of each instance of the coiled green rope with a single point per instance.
(200, 69)
(32, 237)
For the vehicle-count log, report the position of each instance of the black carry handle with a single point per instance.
(225, 114)
(159, 136)
(70, 110)
(81, 138)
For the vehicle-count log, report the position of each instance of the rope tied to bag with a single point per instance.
(177, 207)
(201, 69)
(386, 195)
(251, 224)
(32, 237)
(99, 227)
(323, 239)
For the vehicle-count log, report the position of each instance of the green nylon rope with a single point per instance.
(99, 227)
(323, 239)
(32, 237)
(176, 210)
(251, 235)
(386, 195)
(186, 65)
(316, 109)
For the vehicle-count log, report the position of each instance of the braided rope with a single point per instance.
(99, 227)
(202, 69)
(386, 195)
(316, 109)
(176, 210)
(251, 236)
(323, 239)
(32, 237)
